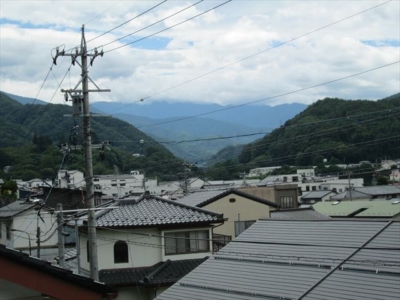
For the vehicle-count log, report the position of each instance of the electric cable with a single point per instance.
(148, 26)
(126, 22)
(272, 97)
(255, 54)
(170, 27)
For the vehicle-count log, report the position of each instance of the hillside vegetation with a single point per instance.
(340, 131)
(31, 135)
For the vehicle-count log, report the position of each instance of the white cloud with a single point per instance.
(214, 40)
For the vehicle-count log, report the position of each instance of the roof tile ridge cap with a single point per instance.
(174, 202)
(149, 277)
(252, 197)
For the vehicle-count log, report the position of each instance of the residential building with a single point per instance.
(284, 195)
(395, 175)
(360, 209)
(257, 172)
(18, 226)
(241, 208)
(300, 259)
(147, 244)
(25, 277)
(70, 179)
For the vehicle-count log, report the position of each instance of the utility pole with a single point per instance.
(38, 237)
(80, 103)
(61, 252)
(348, 176)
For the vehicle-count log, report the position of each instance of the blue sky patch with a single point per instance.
(153, 43)
(382, 43)
(29, 25)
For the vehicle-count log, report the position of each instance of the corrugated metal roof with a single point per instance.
(154, 211)
(298, 214)
(377, 208)
(15, 208)
(277, 259)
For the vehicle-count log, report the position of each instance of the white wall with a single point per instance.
(27, 221)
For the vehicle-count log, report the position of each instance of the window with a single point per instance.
(241, 226)
(8, 232)
(187, 242)
(314, 188)
(121, 252)
(286, 201)
(307, 188)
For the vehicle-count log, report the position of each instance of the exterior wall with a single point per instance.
(242, 209)
(139, 293)
(146, 251)
(27, 221)
(143, 250)
(75, 179)
(274, 193)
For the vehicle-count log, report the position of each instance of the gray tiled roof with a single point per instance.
(298, 214)
(201, 199)
(162, 273)
(154, 211)
(316, 194)
(379, 190)
(15, 208)
(279, 259)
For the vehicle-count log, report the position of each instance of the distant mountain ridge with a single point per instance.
(256, 116)
(214, 121)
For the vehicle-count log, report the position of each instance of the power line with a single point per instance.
(272, 97)
(165, 29)
(257, 53)
(186, 8)
(141, 14)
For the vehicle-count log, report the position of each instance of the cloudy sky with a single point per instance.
(246, 50)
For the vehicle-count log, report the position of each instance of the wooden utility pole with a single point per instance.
(80, 105)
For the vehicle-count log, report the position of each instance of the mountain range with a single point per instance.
(195, 132)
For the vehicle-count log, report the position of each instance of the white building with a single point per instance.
(18, 226)
(146, 245)
(70, 179)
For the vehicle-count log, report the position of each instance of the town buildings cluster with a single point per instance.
(302, 233)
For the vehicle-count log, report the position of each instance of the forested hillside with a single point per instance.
(31, 135)
(340, 131)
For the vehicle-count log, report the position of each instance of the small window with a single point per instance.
(307, 188)
(241, 226)
(121, 252)
(286, 201)
(314, 188)
(232, 200)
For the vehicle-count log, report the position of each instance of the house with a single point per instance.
(317, 196)
(360, 209)
(26, 277)
(300, 259)
(395, 175)
(148, 243)
(70, 198)
(284, 195)
(117, 186)
(70, 179)
(242, 209)
(19, 222)
(307, 213)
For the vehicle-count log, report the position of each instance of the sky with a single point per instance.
(273, 52)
